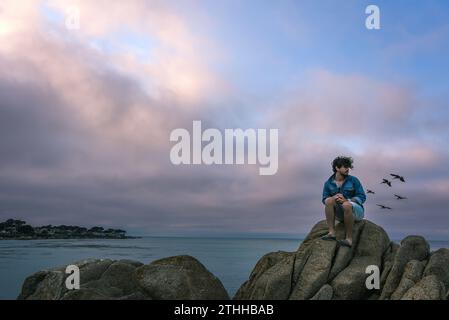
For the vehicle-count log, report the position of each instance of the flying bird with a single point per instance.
(386, 182)
(396, 176)
(383, 207)
(399, 197)
(370, 191)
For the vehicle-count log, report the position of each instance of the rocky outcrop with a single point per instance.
(412, 248)
(271, 277)
(428, 288)
(412, 274)
(317, 270)
(323, 270)
(325, 293)
(178, 277)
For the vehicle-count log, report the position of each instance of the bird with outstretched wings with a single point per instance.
(387, 182)
(396, 176)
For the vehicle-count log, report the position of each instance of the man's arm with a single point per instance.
(360, 195)
(326, 193)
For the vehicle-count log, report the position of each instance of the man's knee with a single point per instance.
(329, 201)
(347, 207)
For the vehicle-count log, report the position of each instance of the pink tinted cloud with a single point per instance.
(178, 57)
(120, 123)
(363, 106)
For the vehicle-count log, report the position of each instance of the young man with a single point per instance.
(343, 197)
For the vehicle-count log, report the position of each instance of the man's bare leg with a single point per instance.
(330, 215)
(349, 220)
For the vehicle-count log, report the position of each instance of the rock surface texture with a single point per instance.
(178, 277)
(323, 270)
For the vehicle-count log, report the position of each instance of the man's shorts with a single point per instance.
(357, 212)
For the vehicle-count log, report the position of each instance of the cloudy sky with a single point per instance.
(86, 113)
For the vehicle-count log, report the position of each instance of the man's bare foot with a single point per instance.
(329, 236)
(346, 243)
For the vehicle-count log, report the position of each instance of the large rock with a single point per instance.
(270, 279)
(325, 293)
(412, 274)
(316, 265)
(412, 248)
(387, 262)
(428, 288)
(44, 285)
(50, 284)
(369, 250)
(320, 268)
(438, 265)
(179, 277)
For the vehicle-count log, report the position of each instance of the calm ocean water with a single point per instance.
(230, 259)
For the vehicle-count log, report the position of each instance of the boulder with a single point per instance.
(315, 269)
(325, 293)
(317, 265)
(428, 288)
(44, 285)
(412, 248)
(387, 262)
(270, 279)
(369, 250)
(438, 265)
(412, 274)
(179, 277)
(323, 270)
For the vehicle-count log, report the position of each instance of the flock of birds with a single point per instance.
(388, 183)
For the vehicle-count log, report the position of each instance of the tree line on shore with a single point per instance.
(19, 229)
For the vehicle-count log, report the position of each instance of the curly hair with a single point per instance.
(342, 161)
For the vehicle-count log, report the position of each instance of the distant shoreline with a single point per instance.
(13, 229)
(71, 238)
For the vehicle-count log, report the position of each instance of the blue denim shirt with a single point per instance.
(351, 189)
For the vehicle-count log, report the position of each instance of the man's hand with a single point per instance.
(339, 198)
